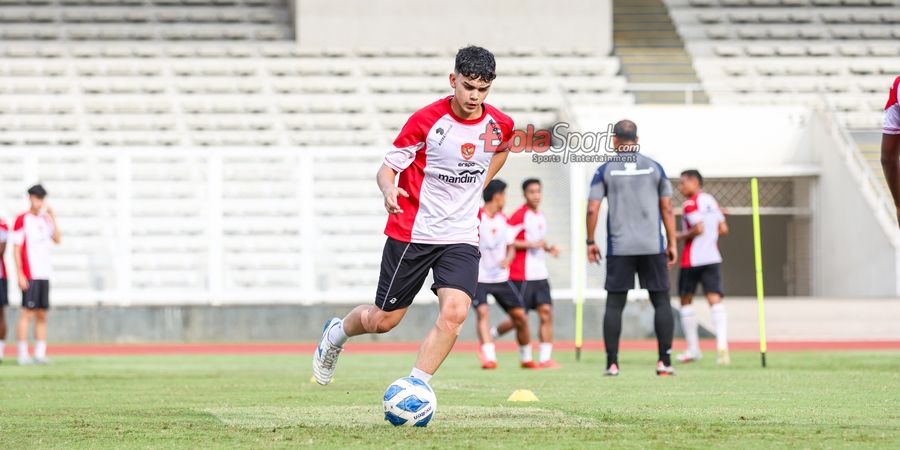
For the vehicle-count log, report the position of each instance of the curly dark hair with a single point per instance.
(476, 63)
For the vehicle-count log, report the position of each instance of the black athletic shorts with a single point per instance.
(533, 293)
(405, 265)
(37, 296)
(504, 293)
(710, 276)
(651, 270)
(4, 294)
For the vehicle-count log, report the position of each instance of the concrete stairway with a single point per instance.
(651, 51)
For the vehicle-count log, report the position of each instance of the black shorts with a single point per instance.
(4, 293)
(504, 293)
(37, 296)
(652, 271)
(533, 293)
(405, 265)
(710, 276)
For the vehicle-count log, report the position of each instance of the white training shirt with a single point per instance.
(35, 235)
(494, 239)
(702, 249)
(529, 264)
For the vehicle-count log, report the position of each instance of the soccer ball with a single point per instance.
(409, 402)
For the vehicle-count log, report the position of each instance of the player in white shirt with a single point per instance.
(701, 263)
(34, 233)
(497, 253)
(890, 144)
(432, 180)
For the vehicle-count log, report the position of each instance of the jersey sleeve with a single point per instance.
(516, 229)
(714, 208)
(892, 111)
(691, 211)
(665, 186)
(410, 141)
(598, 185)
(18, 234)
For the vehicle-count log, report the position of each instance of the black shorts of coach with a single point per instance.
(37, 296)
(652, 271)
(533, 293)
(504, 293)
(710, 276)
(405, 265)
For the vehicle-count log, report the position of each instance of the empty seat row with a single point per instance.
(806, 33)
(762, 50)
(789, 3)
(799, 17)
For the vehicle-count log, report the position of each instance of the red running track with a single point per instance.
(407, 347)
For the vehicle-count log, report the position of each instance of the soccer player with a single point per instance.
(497, 254)
(34, 233)
(890, 144)
(529, 269)
(701, 263)
(4, 295)
(442, 159)
(640, 197)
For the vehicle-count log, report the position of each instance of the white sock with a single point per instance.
(494, 333)
(720, 322)
(689, 324)
(23, 350)
(525, 353)
(2, 348)
(416, 373)
(545, 352)
(336, 335)
(40, 349)
(489, 352)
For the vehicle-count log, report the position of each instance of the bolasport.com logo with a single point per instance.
(560, 144)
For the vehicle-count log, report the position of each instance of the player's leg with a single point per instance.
(2, 330)
(540, 292)
(654, 276)
(511, 302)
(454, 305)
(620, 272)
(26, 315)
(404, 267)
(40, 320)
(507, 325)
(687, 285)
(712, 287)
(455, 280)
(488, 352)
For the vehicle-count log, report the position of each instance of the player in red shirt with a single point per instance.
(34, 233)
(890, 144)
(528, 271)
(4, 297)
(441, 161)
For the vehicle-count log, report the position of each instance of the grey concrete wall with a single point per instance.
(491, 24)
(138, 324)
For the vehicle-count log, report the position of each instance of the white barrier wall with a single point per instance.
(493, 24)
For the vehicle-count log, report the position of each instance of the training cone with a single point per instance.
(522, 395)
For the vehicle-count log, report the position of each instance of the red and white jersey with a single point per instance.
(4, 236)
(35, 235)
(494, 238)
(892, 111)
(704, 248)
(442, 163)
(529, 264)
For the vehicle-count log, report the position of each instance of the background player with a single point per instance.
(34, 233)
(4, 291)
(890, 144)
(433, 215)
(639, 196)
(701, 263)
(493, 278)
(528, 271)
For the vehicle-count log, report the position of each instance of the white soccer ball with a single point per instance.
(409, 402)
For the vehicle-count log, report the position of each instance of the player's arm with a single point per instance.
(890, 162)
(525, 245)
(593, 215)
(2, 248)
(668, 216)
(723, 228)
(690, 233)
(56, 236)
(510, 255)
(20, 270)
(385, 179)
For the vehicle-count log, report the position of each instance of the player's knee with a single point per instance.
(375, 320)
(546, 312)
(518, 317)
(452, 317)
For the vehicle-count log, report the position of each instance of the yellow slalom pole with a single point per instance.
(757, 250)
(579, 288)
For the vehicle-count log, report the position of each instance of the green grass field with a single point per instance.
(803, 400)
